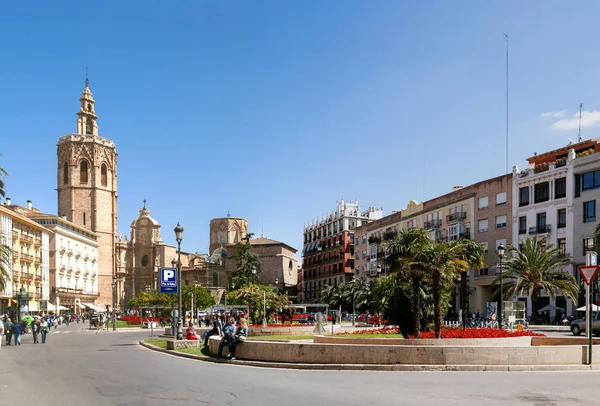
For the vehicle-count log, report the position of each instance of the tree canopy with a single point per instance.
(246, 263)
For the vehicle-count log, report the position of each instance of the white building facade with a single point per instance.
(543, 207)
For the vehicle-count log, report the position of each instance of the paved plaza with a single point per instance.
(86, 367)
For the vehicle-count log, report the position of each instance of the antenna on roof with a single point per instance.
(580, 108)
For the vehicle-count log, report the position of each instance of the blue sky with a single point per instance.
(274, 109)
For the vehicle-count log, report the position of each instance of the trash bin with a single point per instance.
(519, 328)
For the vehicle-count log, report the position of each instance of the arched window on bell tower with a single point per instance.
(104, 175)
(89, 127)
(66, 173)
(83, 172)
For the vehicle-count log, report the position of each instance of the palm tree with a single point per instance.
(472, 254)
(402, 251)
(442, 261)
(536, 266)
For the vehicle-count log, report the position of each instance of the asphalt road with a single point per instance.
(78, 367)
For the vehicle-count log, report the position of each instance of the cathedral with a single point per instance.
(87, 197)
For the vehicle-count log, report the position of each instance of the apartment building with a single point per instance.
(585, 205)
(555, 199)
(328, 252)
(29, 261)
(73, 261)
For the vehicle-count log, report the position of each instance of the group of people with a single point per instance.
(14, 330)
(234, 332)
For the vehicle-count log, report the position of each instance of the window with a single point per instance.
(523, 196)
(84, 218)
(485, 245)
(541, 222)
(562, 245)
(83, 172)
(104, 175)
(560, 188)
(588, 245)
(66, 173)
(483, 225)
(501, 199)
(542, 192)
(501, 221)
(145, 260)
(589, 211)
(523, 225)
(562, 218)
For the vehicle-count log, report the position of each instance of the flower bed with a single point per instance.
(449, 332)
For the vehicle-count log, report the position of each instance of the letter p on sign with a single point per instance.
(169, 274)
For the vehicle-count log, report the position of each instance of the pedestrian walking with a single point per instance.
(1, 332)
(43, 330)
(17, 329)
(35, 330)
(8, 331)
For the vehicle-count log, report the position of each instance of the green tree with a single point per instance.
(535, 267)
(382, 291)
(443, 262)
(403, 251)
(255, 296)
(202, 297)
(149, 299)
(472, 253)
(246, 262)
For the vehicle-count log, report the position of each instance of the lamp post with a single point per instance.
(254, 275)
(114, 299)
(173, 330)
(501, 251)
(179, 236)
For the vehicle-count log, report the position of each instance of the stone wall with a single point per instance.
(453, 342)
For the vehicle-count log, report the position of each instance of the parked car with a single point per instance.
(578, 326)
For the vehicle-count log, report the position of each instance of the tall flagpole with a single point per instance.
(506, 124)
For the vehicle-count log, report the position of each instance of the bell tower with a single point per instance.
(87, 188)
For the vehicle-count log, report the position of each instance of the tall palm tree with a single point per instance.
(472, 254)
(403, 251)
(534, 267)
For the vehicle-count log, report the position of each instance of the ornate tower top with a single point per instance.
(86, 123)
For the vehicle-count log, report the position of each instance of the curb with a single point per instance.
(382, 367)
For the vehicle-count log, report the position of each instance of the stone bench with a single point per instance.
(180, 344)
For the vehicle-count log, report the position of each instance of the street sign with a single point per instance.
(592, 258)
(168, 280)
(588, 272)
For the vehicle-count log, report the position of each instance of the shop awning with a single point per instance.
(51, 307)
(92, 306)
(80, 305)
(62, 308)
(34, 306)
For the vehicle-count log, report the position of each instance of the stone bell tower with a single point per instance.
(87, 189)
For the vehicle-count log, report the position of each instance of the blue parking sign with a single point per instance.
(168, 280)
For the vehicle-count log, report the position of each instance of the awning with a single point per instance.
(51, 307)
(92, 306)
(62, 308)
(33, 306)
(80, 305)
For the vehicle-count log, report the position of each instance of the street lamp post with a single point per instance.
(501, 251)
(179, 236)
(254, 275)
(173, 329)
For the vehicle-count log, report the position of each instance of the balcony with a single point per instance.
(390, 235)
(77, 254)
(15, 255)
(37, 242)
(26, 257)
(27, 275)
(540, 229)
(522, 231)
(37, 260)
(69, 251)
(86, 256)
(38, 276)
(15, 235)
(433, 224)
(374, 240)
(26, 239)
(465, 234)
(456, 217)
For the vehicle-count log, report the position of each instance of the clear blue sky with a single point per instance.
(275, 109)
